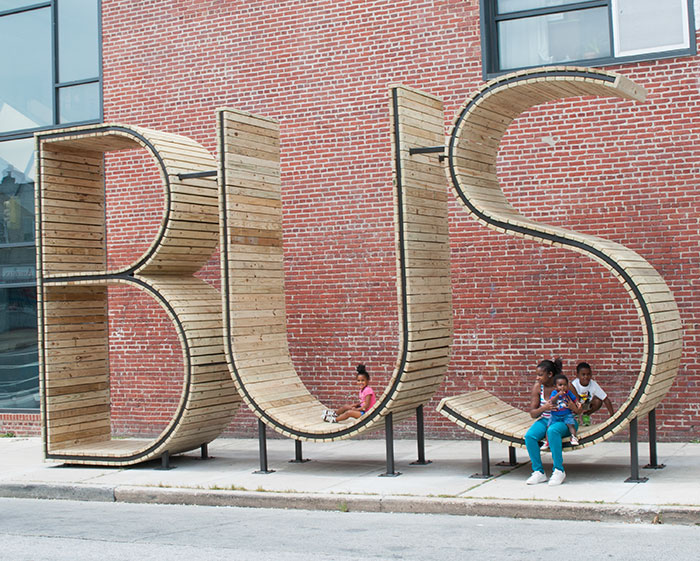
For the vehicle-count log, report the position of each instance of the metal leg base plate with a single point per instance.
(480, 476)
(421, 462)
(264, 471)
(654, 466)
(304, 460)
(395, 474)
(639, 480)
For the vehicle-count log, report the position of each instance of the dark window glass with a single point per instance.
(528, 33)
(554, 38)
(26, 85)
(77, 40)
(19, 362)
(79, 103)
(19, 370)
(17, 193)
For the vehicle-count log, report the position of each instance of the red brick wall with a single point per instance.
(624, 171)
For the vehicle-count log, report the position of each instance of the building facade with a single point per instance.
(621, 170)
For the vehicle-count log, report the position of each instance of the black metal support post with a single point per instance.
(298, 456)
(653, 459)
(390, 471)
(165, 461)
(420, 437)
(262, 445)
(485, 461)
(634, 454)
(512, 459)
(204, 452)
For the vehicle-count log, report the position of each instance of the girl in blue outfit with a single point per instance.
(566, 405)
(540, 409)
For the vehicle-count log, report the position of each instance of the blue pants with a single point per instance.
(555, 432)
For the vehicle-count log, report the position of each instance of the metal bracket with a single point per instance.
(429, 150)
(196, 175)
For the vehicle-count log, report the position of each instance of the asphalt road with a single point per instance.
(35, 530)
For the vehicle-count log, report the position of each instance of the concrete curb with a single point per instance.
(653, 514)
(548, 510)
(69, 492)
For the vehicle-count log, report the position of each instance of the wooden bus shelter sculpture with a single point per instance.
(73, 280)
(247, 220)
(471, 155)
(253, 277)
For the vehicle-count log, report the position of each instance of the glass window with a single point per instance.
(37, 40)
(526, 33)
(79, 103)
(650, 25)
(49, 56)
(19, 370)
(17, 193)
(554, 38)
(78, 46)
(26, 87)
(19, 359)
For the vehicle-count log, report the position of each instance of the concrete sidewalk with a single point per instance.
(344, 476)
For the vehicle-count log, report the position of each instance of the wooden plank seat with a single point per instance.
(255, 328)
(471, 154)
(73, 282)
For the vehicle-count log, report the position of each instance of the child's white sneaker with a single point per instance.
(557, 478)
(327, 415)
(545, 446)
(536, 477)
(574, 441)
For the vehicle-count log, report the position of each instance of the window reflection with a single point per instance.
(554, 38)
(26, 87)
(19, 359)
(19, 370)
(78, 46)
(28, 94)
(79, 103)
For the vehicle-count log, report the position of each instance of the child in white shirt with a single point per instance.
(590, 394)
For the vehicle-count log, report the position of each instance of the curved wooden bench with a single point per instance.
(253, 273)
(73, 280)
(472, 150)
